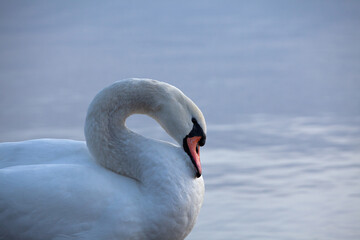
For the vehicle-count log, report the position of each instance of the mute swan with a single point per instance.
(117, 185)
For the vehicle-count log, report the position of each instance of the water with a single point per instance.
(302, 181)
(277, 81)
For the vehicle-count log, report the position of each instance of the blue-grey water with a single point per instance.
(278, 83)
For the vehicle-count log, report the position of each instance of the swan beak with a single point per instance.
(193, 144)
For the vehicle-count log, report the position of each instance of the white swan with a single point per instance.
(129, 187)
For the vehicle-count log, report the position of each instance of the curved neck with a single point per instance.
(112, 144)
(165, 171)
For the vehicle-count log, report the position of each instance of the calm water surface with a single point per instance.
(271, 177)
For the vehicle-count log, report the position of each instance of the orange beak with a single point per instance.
(195, 153)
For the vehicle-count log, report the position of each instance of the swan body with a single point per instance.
(117, 184)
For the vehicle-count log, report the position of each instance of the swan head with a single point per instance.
(183, 121)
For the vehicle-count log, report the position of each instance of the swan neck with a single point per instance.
(109, 141)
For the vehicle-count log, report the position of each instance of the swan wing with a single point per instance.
(52, 188)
